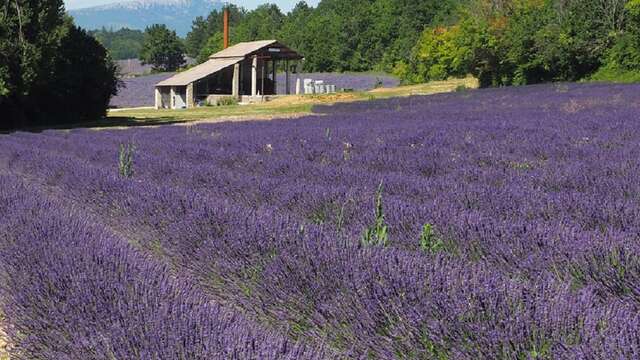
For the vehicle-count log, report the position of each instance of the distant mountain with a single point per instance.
(176, 14)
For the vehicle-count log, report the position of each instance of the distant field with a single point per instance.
(138, 91)
(485, 224)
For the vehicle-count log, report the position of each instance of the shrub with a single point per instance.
(429, 241)
(125, 160)
(227, 101)
(377, 234)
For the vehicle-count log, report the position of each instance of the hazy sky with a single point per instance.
(249, 4)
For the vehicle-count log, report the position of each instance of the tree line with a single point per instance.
(502, 42)
(122, 44)
(531, 41)
(337, 35)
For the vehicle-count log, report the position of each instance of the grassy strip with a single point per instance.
(290, 105)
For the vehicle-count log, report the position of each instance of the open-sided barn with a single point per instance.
(246, 69)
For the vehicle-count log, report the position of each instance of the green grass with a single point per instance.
(203, 113)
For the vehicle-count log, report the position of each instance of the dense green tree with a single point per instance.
(122, 44)
(291, 32)
(51, 72)
(162, 49)
(30, 31)
(622, 61)
(78, 96)
(524, 42)
(203, 29)
(213, 45)
(262, 23)
(197, 37)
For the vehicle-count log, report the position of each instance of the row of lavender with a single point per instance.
(533, 210)
(138, 91)
(73, 288)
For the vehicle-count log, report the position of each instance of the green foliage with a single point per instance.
(356, 35)
(125, 160)
(262, 23)
(162, 49)
(430, 241)
(377, 234)
(432, 349)
(612, 73)
(528, 41)
(50, 71)
(122, 44)
(77, 96)
(227, 101)
(202, 29)
(212, 46)
(438, 55)
(622, 62)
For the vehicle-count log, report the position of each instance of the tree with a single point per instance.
(196, 38)
(213, 45)
(162, 49)
(51, 72)
(203, 29)
(29, 34)
(78, 96)
(260, 24)
(122, 44)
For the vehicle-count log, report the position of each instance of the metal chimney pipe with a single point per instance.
(225, 15)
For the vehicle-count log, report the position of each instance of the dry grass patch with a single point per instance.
(283, 107)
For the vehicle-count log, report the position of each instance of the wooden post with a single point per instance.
(254, 76)
(235, 84)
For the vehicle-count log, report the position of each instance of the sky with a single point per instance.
(249, 4)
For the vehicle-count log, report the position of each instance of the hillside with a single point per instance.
(176, 14)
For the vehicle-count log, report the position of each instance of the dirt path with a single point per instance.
(4, 346)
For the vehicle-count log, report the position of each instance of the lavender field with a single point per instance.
(489, 224)
(138, 91)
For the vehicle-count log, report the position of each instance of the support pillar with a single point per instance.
(298, 80)
(254, 76)
(286, 78)
(191, 99)
(235, 84)
(158, 99)
(172, 97)
(275, 76)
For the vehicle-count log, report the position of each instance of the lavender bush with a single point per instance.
(510, 222)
